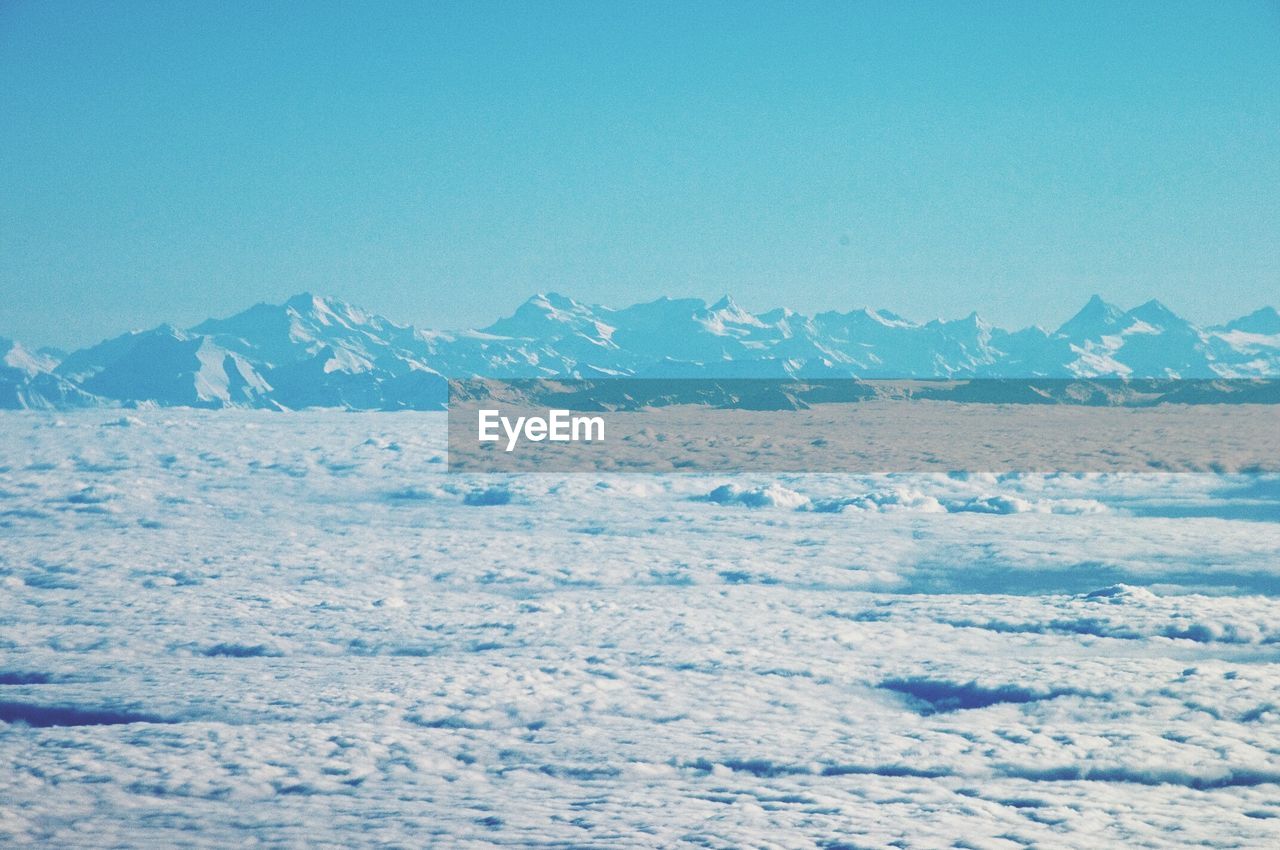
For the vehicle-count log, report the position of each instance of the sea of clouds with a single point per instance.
(235, 627)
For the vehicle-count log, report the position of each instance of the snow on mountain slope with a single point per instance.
(317, 351)
(27, 381)
(1249, 345)
(552, 317)
(14, 356)
(306, 324)
(1159, 343)
(168, 367)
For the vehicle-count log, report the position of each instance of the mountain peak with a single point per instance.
(14, 355)
(327, 310)
(726, 312)
(1264, 321)
(315, 350)
(971, 323)
(1095, 319)
(304, 301)
(1153, 307)
(1155, 313)
(887, 318)
(554, 302)
(547, 316)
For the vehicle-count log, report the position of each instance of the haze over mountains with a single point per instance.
(317, 351)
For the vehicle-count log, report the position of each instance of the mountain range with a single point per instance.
(318, 351)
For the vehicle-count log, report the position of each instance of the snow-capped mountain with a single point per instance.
(166, 366)
(317, 351)
(314, 351)
(27, 381)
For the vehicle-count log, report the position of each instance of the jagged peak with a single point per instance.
(553, 300)
(328, 310)
(972, 320)
(727, 310)
(553, 334)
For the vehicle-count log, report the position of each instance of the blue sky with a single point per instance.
(439, 162)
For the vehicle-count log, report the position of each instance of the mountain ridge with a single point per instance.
(319, 351)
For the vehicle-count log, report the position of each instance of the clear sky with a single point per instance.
(441, 162)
